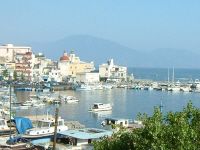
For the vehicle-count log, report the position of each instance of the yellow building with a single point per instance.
(71, 65)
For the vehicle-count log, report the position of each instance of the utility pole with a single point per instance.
(10, 108)
(55, 129)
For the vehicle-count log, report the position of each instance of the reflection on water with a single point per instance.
(101, 114)
(127, 103)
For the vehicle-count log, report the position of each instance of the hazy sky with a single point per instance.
(138, 24)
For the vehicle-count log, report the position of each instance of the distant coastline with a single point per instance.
(161, 74)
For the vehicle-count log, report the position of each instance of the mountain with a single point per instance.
(90, 48)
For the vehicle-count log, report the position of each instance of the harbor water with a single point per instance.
(127, 103)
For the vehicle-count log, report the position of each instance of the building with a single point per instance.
(6, 66)
(64, 65)
(88, 77)
(42, 67)
(22, 56)
(71, 65)
(24, 64)
(112, 72)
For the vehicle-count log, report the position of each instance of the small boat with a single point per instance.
(30, 102)
(4, 129)
(15, 143)
(56, 101)
(45, 129)
(84, 87)
(23, 89)
(107, 86)
(4, 89)
(121, 122)
(100, 107)
(70, 99)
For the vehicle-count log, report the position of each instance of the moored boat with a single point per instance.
(70, 99)
(100, 107)
(45, 128)
(4, 129)
(108, 123)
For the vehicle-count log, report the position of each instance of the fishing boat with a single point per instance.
(100, 107)
(45, 128)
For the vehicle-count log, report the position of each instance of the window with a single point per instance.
(60, 123)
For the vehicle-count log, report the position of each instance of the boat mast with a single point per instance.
(55, 129)
(168, 76)
(173, 76)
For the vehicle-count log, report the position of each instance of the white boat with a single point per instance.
(120, 122)
(4, 89)
(185, 89)
(39, 105)
(4, 129)
(84, 87)
(174, 89)
(56, 101)
(107, 86)
(70, 99)
(45, 128)
(30, 102)
(100, 107)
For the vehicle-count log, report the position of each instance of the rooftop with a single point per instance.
(87, 133)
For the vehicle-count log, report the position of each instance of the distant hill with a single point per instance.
(99, 50)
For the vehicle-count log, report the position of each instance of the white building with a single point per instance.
(40, 65)
(9, 51)
(55, 75)
(64, 65)
(88, 77)
(111, 71)
(22, 56)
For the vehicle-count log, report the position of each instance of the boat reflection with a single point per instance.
(102, 114)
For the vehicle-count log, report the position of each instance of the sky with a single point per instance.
(138, 24)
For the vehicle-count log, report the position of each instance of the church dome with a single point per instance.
(64, 57)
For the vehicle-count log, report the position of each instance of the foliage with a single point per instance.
(22, 76)
(5, 73)
(15, 75)
(175, 130)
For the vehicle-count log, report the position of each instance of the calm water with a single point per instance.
(127, 103)
(161, 74)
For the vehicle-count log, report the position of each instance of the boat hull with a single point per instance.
(34, 137)
(100, 109)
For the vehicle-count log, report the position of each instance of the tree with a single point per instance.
(5, 73)
(175, 130)
(15, 75)
(22, 76)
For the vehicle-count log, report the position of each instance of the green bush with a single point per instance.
(174, 131)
